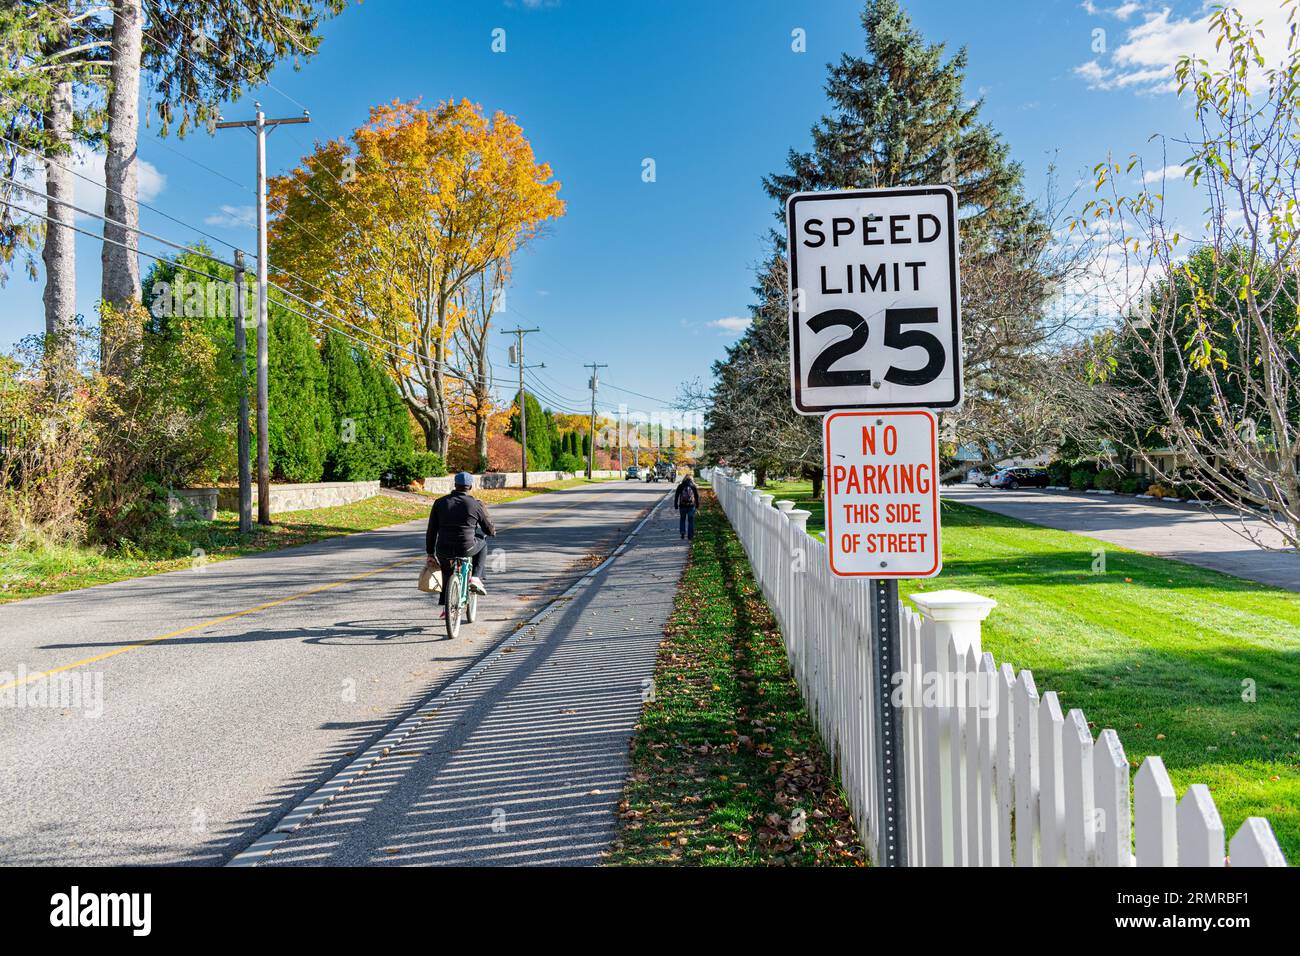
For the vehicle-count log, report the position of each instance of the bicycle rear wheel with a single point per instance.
(454, 599)
(471, 607)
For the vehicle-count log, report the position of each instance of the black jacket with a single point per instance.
(454, 523)
(677, 496)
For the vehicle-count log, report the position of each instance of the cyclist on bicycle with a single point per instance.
(459, 526)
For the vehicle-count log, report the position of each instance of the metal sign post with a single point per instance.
(891, 849)
(875, 342)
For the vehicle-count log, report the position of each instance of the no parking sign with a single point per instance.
(882, 493)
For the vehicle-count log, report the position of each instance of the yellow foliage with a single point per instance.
(387, 230)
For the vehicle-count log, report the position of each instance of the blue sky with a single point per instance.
(650, 277)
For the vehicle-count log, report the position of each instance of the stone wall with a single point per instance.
(321, 494)
(497, 479)
(194, 504)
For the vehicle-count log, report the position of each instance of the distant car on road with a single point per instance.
(978, 477)
(1013, 478)
(633, 473)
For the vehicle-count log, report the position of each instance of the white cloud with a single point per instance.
(233, 217)
(1168, 174)
(1093, 72)
(1121, 12)
(735, 324)
(1144, 62)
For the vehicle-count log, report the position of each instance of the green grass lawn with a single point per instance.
(725, 757)
(1163, 652)
(26, 573)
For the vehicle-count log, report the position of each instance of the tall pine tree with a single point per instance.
(899, 116)
(540, 432)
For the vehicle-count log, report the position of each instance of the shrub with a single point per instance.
(92, 458)
(49, 451)
(415, 467)
(568, 461)
(429, 464)
(1130, 485)
(1058, 473)
(1081, 479)
(1107, 479)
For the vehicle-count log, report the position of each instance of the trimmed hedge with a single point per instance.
(1108, 479)
(1081, 479)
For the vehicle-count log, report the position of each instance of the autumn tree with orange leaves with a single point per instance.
(387, 232)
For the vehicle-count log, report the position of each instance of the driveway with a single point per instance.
(1185, 532)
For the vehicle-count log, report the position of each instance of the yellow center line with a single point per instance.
(205, 624)
(252, 610)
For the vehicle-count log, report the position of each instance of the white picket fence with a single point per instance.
(995, 774)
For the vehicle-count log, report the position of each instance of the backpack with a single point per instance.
(690, 498)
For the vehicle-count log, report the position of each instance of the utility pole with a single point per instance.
(518, 350)
(241, 359)
(591, 446)
(259, 126)
(622, 414)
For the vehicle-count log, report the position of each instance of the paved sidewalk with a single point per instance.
(526, 765)
(1185, 532)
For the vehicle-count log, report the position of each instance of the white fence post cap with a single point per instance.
(799, 519)
(763, 498)
(953, 605)
(784, 505)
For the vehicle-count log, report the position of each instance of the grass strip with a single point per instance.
(727, 768)
(27, 572)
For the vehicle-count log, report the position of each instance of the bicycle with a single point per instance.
(460, 596)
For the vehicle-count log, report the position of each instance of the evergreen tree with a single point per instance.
(301, 424)
(539, 432)
(391, 430)
(899, 116)
(353, 453)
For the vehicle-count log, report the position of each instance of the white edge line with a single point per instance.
(261, 848)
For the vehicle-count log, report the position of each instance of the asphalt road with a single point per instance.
(1185, 532)
(214, 700)
(525, 764)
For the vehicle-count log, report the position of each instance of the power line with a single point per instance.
(412, 356)
(566, 348)
(117, 192)
(311, 191)
(112, 222)
(207, 275)
(204, 166)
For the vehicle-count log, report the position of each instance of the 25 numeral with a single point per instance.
(821, 375)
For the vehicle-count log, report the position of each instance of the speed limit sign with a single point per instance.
(875, 313)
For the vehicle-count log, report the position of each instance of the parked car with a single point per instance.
(663, 471)
(1014, 478)
(633, 473)
(977, 477)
